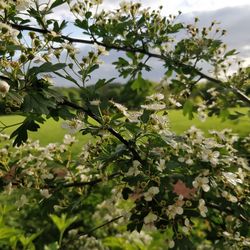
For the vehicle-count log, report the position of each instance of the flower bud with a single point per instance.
(4, 88)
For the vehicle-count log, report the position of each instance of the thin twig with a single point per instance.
(100, 226)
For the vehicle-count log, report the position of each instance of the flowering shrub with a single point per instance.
(171, 191)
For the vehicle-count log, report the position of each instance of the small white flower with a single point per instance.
(102, 50)
(4, 88)
(95, 102)
(174, 102)
(208, 155)
(150, 218)
(171, 244)
(232, 178)
(152, 191)
(189, 162)
(23, 200)
(203, 209)
(201, 182)
(45, 193)
(160, 165)
(120, 107)
(229, 197)
(156, 97)
(134, 169)
(73, 125)
(176, 208)
(68, 139)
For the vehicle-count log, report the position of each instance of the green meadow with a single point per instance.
(51, 130)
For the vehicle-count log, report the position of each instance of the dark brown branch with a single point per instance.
(175, 64)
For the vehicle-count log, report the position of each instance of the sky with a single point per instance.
(233, 15)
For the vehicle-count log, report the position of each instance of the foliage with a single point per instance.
(135, 175)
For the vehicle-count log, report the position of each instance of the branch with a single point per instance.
(87, 183)
(175, 64)
(100, 226)
(110, 129)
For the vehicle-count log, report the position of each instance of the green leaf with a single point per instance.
(188, 109)
(57, 3)
(62, 222)
(231, 53)
(8, 232)
(139, 83)
(88, 14)
(46, 67)
(21, 133)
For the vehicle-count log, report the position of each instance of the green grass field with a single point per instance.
(51, 131)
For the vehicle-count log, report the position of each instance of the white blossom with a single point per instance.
(68, 139)
(203, 209)
(229, 197)
(176, 208)
(208, 155)
(160, 165)
(22, 201)
(201, 182)
(45, 193)
(95, 102)
(150, 218)
(72, 126)
(152, 191)
(174, 102)
(232, 178)
(155, 97)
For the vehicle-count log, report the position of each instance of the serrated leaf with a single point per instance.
(46, 67)
(57, 3)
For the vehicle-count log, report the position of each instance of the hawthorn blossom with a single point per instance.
(187, 226)
(68, 139)
(150, 218)
(22, 201)
(155, 97)
(45, 193)
(176, 208)
(120, 107)
(201, 182)
(101, 50)
(174, 102)
(134, 169)
(210, 156)
(229, 197)
(203, 209)
(4, 88)
(160, 165)
(152, 191)
(95, 102)
(72, 126)
(232, 178)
